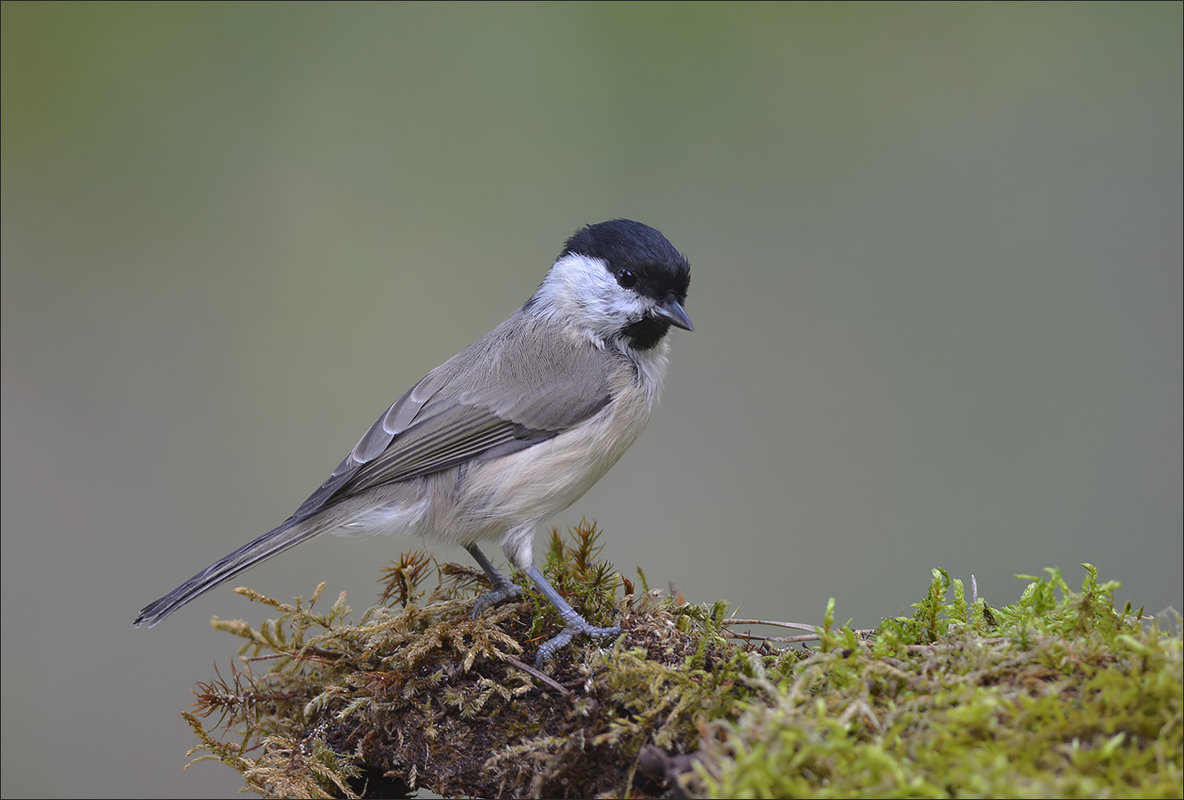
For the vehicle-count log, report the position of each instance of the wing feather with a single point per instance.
(522, 383)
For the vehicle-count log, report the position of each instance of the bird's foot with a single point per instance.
(575, 627)
(502, 591)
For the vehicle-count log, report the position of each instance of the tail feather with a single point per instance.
(287, 535)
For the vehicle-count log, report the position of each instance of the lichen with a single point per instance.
(1057, 694)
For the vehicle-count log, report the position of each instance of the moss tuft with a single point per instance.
(1058, 694)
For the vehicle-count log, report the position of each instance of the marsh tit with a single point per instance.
(512, 429)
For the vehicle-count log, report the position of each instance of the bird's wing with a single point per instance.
(522, 383)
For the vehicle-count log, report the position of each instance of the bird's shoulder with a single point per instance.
(522, 383)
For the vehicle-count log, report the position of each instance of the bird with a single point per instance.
(511, 430)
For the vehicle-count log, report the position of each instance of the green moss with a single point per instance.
(1058, 694)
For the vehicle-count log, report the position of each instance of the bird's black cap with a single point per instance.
(662, 272)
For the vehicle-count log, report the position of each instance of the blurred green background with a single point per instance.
(936, 256)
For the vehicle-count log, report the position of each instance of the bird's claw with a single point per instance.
(501, 592)
(575, 627)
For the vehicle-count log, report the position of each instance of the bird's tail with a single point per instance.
(289, 534)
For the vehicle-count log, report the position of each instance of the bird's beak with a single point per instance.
(673, 312)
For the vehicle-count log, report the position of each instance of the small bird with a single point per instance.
(509, 431)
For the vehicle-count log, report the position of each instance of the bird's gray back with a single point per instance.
(522, 383)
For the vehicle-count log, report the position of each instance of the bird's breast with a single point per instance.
(539, 481)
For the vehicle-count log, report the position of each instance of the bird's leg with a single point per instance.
(503, 588)
(574, 624)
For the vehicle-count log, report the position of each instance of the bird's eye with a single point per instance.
(626, 278)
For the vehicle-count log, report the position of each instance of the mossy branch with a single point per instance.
(1058, 694)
